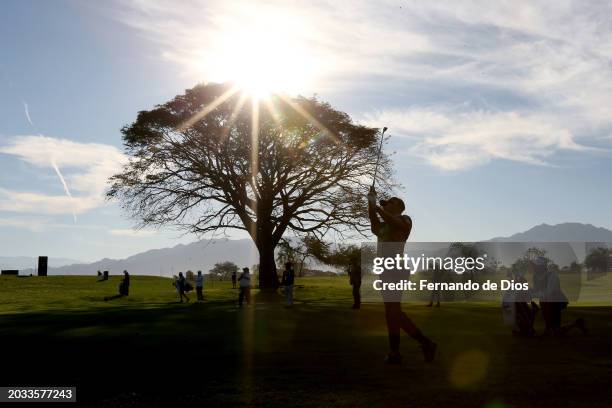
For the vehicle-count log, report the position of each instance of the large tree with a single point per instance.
(224, 270)
(598, 260)
(216, 159)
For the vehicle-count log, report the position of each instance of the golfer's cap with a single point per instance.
(396, 199)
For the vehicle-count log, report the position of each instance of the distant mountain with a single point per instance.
(200, 255)
(566, 232)
(563, 243)
(29, 262)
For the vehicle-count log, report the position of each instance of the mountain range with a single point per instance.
(202, 255)
(566, 232)
(199, 255)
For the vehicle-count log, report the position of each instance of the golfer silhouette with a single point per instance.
(392, 234)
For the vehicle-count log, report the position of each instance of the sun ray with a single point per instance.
(208, 108)
(272, 109)
(234, 114)
(311, 118)
(254, 153)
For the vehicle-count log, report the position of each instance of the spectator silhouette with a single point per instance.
(287, 282)
(124, 287)
(103, 276)
(553, 301)
(182, 287)
(200, 286)
(234, 280)
(518, 309)
(435, 294)
(354, 273)
(245, 287)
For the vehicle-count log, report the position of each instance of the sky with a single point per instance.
(498, 112)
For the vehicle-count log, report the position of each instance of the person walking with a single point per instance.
(200, 286)
(287, 281)
(245, 287)
(182, 287)
(234, 280)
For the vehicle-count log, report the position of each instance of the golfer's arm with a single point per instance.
(397, 222)
(374, 221)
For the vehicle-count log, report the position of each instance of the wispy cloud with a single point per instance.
(26, 111)
(127, 232)
(87, 169)
(65, 185)
(454, 139)
(43, 223)
(53, 163)
(552, 58)
(34, 225)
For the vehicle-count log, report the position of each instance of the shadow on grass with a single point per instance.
(318, 353)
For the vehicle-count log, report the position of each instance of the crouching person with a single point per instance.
(124, 287)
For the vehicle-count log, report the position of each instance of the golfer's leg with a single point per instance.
(392, 315)
(411, 329)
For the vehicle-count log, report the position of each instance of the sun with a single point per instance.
(262, 56)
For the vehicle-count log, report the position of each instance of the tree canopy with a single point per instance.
(214, 159)
(224, 270)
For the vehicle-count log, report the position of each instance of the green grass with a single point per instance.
(319, 353)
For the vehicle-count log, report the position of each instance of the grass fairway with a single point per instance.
(149, 350)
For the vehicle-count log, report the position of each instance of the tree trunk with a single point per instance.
(268, 279)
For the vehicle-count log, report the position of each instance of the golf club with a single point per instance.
(382, 138)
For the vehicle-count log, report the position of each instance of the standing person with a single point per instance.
(124, 288)
(182, 287)
(287, 281)
(245, 287)
(234, 280)
(547, 287)
(392, 234)
(200, 286)
(435, 294)
(518, 309)
(354, 273)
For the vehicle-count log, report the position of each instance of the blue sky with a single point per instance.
(498, 111)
